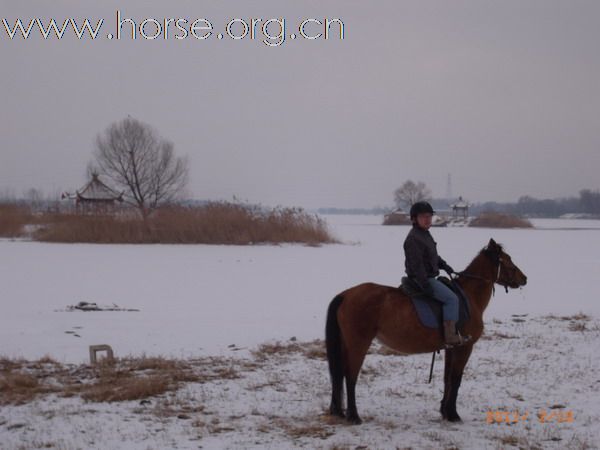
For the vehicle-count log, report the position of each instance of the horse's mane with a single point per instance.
(487, 252)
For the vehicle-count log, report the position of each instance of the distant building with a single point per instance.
(95, 197)
(460, 209)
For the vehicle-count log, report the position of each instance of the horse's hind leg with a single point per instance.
(337, 392)
(354, 359)
(335, 357)
(453, 372)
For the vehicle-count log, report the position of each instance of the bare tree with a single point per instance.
(141, 163)
(34, 197)
(410, 193)
(590, 201)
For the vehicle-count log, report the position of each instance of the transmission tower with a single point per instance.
(449, 187)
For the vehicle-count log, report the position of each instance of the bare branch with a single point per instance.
(410, 193)
(141, 163)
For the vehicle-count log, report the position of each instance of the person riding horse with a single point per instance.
(422, 264)
(358, 315)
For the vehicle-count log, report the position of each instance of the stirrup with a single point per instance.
(463, 341)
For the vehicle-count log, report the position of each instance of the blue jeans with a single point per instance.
(449, 300)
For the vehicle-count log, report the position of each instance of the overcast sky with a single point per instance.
(503, 95)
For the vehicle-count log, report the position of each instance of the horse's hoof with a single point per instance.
(450, 416)
(453, 418)
(354, 420)
(337, 413)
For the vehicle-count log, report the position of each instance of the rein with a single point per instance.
(477, 277)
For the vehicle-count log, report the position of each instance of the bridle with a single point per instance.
(493, 282)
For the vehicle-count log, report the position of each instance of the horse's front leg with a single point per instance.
(447, 364)
(456, 360)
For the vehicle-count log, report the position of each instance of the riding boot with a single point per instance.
(451, 336)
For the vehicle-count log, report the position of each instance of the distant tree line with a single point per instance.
(588, 202)
(378, 210)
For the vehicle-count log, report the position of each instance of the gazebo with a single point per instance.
(95, 197)
(460, 208)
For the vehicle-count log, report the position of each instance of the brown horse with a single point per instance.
(362, 313)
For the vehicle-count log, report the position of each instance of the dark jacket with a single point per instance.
(422, 260)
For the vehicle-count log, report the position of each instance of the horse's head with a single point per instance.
(508, 275)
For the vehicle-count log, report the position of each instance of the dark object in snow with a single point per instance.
(86, 306)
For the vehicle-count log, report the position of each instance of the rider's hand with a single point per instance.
(449, 270)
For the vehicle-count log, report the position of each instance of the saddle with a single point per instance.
(429, 310)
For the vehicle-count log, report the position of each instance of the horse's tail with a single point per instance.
(333, 341)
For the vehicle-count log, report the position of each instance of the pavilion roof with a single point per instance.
(95, 189)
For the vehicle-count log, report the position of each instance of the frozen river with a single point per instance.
(199, 299)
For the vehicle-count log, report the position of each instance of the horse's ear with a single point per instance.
(493, 250)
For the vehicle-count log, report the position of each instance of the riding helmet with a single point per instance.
(420, 208)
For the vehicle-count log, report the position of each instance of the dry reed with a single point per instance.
(13, 219)
(213, 223)
(498, 220)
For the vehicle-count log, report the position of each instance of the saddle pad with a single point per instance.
(429, 310)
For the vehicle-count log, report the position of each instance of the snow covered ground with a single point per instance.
(198, 300)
